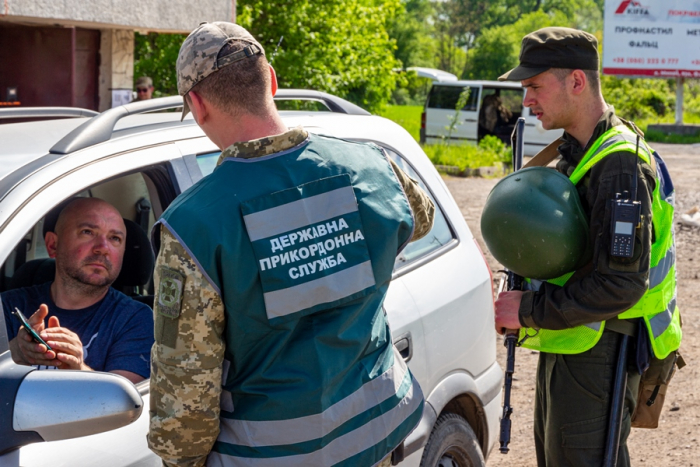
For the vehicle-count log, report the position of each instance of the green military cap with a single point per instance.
(554, 47)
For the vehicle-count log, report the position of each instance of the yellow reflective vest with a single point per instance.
(658, 305)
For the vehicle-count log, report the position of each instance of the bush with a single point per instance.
(497, 147)
(639, 99)
(410, 89)
(692, 97)
(490, 151)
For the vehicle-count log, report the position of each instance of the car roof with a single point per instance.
(26, 142)
(498, 84)
(433, 73)
(30, 143)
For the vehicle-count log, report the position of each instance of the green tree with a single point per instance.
(341, 47)
(497, 49)
(639, 99)
(412, 30)
(155, 55)
(457, 24)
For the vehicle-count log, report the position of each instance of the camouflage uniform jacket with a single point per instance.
(607, 285)
(186, 368)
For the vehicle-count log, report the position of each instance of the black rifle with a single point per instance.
(617, 405)
(511, 281)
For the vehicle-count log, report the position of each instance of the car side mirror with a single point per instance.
(63, 404)
(68, 404)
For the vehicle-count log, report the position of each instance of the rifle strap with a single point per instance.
(545, 156)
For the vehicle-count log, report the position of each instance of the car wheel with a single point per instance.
(452, 443)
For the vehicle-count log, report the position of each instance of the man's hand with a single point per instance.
(507, 306)
(27, 352)
(67, 344)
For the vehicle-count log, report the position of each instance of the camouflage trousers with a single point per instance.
(572, 405)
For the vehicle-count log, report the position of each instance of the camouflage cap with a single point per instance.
(199, 54)
(554, 47)
(144, 81)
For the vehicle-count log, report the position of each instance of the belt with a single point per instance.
(622, 326)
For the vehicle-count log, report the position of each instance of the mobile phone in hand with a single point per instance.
(20, 316)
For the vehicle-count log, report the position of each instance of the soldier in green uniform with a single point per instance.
(577, 321)
(272, 347)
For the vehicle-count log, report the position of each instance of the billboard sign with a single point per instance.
(656, 38)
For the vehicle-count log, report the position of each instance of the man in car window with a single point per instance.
(91, 326)
(271, 342)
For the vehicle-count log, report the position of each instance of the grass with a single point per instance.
(408, 116)
(654, 136)
(487, 154)
(464, 157)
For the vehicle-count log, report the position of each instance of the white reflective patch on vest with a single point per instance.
(298, 214)
(659, 272)
(341, 448)
(309, 243)
(660, 322)
(671, 199)
(298, 430)
(326, 289)
(595, 326)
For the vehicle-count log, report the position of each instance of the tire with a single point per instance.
(452, 443)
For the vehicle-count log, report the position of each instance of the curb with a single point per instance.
(468, 172)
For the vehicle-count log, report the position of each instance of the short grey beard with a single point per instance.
(76, 282)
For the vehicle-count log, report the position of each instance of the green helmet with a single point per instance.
(534, 225)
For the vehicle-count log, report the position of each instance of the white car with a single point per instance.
(479, 116)
(440, 302)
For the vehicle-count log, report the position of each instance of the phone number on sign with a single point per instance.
(650, 61)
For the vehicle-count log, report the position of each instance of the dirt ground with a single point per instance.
(675, 442)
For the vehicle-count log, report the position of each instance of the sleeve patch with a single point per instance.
(170, 290)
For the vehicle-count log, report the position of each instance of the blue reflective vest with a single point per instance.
(301, 246)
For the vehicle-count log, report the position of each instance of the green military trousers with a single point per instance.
(572, 405)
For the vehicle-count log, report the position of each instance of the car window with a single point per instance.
(446, 97)
(438, 236)
(207, 162)
(139, 200)
(511, 99)
(300, 104)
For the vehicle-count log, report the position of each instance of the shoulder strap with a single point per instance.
(546, 155)
(631, 125)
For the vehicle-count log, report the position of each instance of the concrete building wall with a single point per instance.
(116, 63)
(115, 21)
(154, 15)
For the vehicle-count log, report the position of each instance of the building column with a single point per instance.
(116, 64)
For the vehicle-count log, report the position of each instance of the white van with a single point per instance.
(492, 108)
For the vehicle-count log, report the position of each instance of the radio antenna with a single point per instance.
(274, 54)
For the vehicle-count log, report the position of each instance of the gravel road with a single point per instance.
(675, 442)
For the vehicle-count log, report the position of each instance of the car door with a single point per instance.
(450, 284)
(443, 123)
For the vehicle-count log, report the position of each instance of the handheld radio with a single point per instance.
(626, 218)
